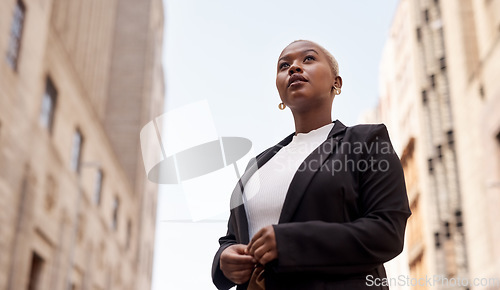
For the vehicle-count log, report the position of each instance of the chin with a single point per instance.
(300, 102)
(299, 96)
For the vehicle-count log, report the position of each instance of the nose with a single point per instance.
(294, 68)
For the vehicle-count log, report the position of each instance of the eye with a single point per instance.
(309, 57)
(284, 65)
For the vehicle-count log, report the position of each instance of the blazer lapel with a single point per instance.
(236, 202)
(254, 164)
(302, 177)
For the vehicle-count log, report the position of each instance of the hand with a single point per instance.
(236, 264)
(263, 245)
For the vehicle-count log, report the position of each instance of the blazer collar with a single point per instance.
(299, 182)
(338, 128)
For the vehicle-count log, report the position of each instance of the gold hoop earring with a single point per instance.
(281, 106)
(336, 90)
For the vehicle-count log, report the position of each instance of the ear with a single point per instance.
(337, 82)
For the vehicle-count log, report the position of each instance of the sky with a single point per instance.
(224, 53)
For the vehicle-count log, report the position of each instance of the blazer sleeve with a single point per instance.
(363, 244)
(218, 278)
(220, 281)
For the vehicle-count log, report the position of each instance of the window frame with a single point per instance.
(49, 97)
(116, 208)
(16, 35)
(129, 234)
(36, 271)
(76, 153)
(98, 186)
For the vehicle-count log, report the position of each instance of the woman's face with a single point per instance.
(305, 78)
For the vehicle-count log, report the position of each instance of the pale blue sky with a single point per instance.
(225, 52)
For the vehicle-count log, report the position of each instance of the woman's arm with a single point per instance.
(363, 244)
(221, 281)
(237, 261)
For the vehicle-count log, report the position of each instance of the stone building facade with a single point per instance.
(78, 80)
(441, 100)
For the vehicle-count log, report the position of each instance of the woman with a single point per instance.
(326, 206)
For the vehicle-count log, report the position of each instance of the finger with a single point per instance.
(254, 238)
(242, 273)
(241, 277)
(239, 248)
(268, 257)
(239, 259)
(239, 266)
(257, 244)
(249, 245)
(234, 252)
(259, 252)
(236, 268)
(247, 249)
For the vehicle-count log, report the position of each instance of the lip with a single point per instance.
(296, 78)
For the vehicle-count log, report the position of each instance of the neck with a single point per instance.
(307, 121)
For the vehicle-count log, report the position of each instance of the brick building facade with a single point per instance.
(78, 80)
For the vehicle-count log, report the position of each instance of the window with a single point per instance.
(433, 81)
(129, 234)
(50, 193)
(458, 217)
(439, 152)
(426, 15)
(419, 34)
(437, 240)
(424, 97)
(430, 165)
(450, 137)
(16, 30)
(35, 272)
(116, 205)
(77, 151)
(442, 63)
(481, 91)
(447, 230)
(48, 105)
(98, 187)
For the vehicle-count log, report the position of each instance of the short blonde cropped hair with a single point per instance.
(334, 65)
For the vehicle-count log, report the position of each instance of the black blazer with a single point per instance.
(344, 214)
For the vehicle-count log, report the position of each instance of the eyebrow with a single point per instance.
(307, 50)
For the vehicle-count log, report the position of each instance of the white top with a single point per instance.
(265, 191)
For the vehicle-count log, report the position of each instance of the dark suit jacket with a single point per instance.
(344, 214)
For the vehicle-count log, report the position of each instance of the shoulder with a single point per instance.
(262, 153)
(372, 139)
(367, 132)
(278, 146)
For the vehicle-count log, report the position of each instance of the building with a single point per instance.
(440, 100)
(78, 80)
